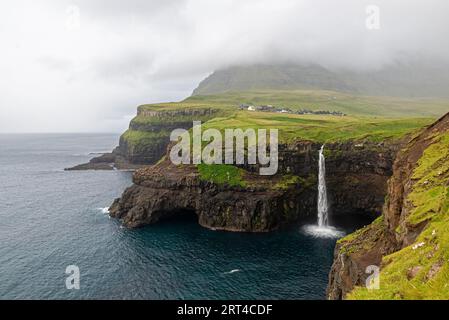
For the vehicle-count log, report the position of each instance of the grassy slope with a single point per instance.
(321, 128)
(374, 118)
(417, 79)
(430, 260)
(221, 174)
(329, 100)
(188, 105)
(145, 131)
(135, 138)
(368, 118)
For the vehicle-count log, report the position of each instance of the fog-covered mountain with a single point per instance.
(400, 79)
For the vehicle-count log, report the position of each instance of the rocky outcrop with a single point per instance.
(148, 136)
(164, 190)
(416, 197)
(108, 161)
(263, 203)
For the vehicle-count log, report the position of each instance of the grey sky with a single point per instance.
(85, 65)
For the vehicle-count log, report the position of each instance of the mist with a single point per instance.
(84, 66)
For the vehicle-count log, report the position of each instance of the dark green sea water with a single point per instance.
(50, 218)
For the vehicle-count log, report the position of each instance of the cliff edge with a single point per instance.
(410, 241)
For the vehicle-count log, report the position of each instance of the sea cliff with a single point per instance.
(146, 140)
(242, 200)
(409, 242)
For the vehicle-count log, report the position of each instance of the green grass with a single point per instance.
(317, 128)
(354, 105)
(171, 115)
(430, 202)
(321, 128)
(144, 123)
(287, 181)
(138, 139)
(368, 118)
(364, 238)
(221, 174)
(185, 105)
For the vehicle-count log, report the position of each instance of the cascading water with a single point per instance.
(322, 192)
(322, 229)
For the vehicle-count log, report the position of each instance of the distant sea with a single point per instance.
(51, 218)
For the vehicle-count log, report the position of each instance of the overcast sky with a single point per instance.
(69, 66)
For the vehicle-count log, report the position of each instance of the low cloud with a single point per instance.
(85, 65)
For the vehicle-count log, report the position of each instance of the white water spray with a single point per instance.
(322, 207)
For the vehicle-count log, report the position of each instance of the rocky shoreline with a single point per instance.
(108, 161)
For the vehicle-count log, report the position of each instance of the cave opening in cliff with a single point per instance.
(179, 216)
(353, 220)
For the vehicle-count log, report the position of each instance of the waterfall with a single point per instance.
(323, 229)
(322, 192)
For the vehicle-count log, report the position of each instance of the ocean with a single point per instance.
(51, 218)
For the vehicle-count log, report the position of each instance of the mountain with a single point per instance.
(399, 79)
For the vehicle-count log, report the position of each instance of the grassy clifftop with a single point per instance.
(321, 128)
(421, 270)
(351, 104)
(368, 118)
(374, 118)
(410, 242)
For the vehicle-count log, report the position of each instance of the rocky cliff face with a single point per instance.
(148, 136)
(407, 241)
(164, 190)
(359, 173)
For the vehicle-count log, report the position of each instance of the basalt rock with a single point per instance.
(356, 173)
(164, 190)
(357, 182)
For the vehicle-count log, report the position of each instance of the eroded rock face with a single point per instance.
(350, 263)
(356, 173)
(357, 176)
(164, 190)
(368, 246)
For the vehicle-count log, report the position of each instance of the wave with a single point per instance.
(233, 271)
(104, 210)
